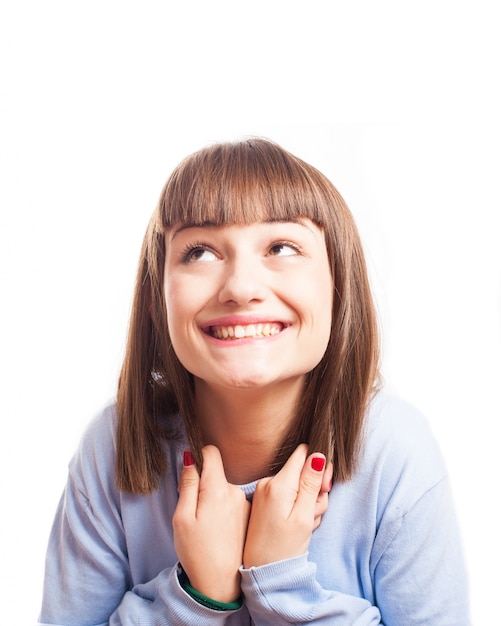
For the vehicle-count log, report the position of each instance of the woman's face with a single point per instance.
(248, 305)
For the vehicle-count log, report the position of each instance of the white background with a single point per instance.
(396, 102)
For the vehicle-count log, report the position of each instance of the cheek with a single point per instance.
(321, 297)
(170, 293)
(175, 304)
(321, 289)
(183, 301)
(180, 295)
(322, 328)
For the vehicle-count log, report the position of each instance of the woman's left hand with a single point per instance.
(287, 508)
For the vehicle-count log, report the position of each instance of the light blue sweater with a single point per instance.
(387, 550)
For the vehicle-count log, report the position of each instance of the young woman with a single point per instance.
(252, 471)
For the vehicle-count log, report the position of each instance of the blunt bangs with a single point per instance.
(243, 183)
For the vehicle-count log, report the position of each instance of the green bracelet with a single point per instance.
(204, 600)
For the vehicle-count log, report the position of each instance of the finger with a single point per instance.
(292, 468)
(280, 491)
(310, 481)
(188, 485)
(327, 479)
(212, 473)
(322, 504)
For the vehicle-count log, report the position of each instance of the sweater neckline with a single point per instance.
(249, 489)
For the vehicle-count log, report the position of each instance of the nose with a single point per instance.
(243, 282)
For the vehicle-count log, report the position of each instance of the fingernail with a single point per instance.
(187, 458)
(318, 463)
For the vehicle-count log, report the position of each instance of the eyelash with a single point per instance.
(289, 244)
(190, 248)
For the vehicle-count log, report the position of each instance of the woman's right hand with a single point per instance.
(210, 524)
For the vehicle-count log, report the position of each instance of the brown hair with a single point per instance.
(245, 182)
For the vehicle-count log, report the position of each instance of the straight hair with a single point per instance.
(244, 182)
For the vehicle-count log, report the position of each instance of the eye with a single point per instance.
(284, 248)
(198, 253)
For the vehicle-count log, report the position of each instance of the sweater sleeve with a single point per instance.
(88, 581)
(419, 578)
(419, 570)
(287, 592)
(162, 602)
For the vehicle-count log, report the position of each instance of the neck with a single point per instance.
(247, 425)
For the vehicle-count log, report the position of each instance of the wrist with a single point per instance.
(204, 600)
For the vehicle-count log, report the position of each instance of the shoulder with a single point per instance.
(94, 459)
(99, 435)
(390, 418)
(400, 448)
(93, 464)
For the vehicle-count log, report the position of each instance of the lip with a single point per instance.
(243, 320)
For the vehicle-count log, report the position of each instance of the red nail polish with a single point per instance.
(317, 463)
(188, 458)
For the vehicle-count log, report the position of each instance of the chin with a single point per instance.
(261, 380)
(248, 383)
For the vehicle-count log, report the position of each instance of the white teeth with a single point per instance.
(251, 330)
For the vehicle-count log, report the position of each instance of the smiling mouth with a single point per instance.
(229, 333)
